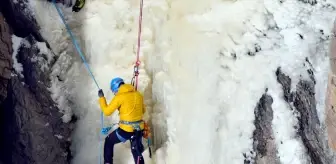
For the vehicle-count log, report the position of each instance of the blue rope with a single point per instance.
(75, 43)
(88, 68)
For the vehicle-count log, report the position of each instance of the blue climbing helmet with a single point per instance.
(115, 84)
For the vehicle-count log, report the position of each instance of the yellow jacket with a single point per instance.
(130, 105)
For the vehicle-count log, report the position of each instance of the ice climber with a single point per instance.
(131, 108)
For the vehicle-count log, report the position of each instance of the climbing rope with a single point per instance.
(137, 62)
(135, 80)
(136, 70)
(88, 68)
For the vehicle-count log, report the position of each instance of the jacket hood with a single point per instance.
(126, 88)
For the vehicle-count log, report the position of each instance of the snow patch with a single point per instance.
(44, 57)
(290, 147)
(44, 50)
(59, 136)
(16, 45)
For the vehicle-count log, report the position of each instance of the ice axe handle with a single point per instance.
(150, 150)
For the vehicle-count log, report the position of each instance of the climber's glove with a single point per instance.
(100, 93)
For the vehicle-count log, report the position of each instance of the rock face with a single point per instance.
(309, 129)
(263, 138)
(5, 56)
(31, 127)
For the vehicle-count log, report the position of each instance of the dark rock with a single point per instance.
(285, 81)
(5, 57)
(19, 19)
(31, 124)
(311, 2)
(304, 102)
(310, 130)
(263, 137)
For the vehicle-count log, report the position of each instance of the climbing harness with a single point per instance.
(135, 125)
(87, 66)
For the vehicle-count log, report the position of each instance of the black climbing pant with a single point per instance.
(136, 145)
